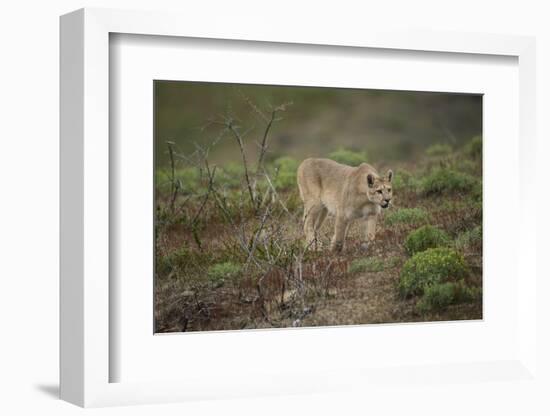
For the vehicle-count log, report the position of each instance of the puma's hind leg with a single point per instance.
(341, 225)
(314, 215)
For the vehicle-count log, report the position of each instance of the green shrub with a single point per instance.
(221, 272)
(439, 150)
(348, 157)
(439, 296)
(470, 239)
(431, 267)
(459, 215)
(167, 263)
(441, 181)
(286, 163)
(294, 202)
(231, 175)
(399, 183)
(234, 169)
(469, 205)
(186, 258)
(163, 265)
(189, 179)
(393, 262)
(424, 238)
(467, 166)
(474, 148)
(371, 264)
(477, 191)
(412, 216)
(403, 180)
(183, 261)
(286, 172)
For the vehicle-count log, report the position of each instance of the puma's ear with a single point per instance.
(370, 180)
(390, 175)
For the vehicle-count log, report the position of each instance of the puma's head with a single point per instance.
(379, 189)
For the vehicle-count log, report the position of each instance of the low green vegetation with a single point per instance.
(424, 238)
(470, 239)
(474, 148)
(431, 267)
(445, 181)
(167, 263)
(369, 264)
(439, 150)
(373, 264)
(409, 216)
(232, 175)
(440, 296)
(348, 157)
(188, 179)
(437, 297)
(189, 263)
(393, 262)
(403, 179)
(477, 192)
(469, 166)
(220, 272)
(286, 168)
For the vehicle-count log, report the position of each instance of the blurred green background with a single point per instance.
(387, 125)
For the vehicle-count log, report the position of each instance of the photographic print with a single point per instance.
(291, 206)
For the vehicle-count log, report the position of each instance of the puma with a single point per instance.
(349, 193)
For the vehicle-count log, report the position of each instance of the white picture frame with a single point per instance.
(86, 356)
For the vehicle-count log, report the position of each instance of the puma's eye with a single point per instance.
(379, 191)
(389, 189)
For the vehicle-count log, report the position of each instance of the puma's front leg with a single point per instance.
(337, 243)
(370, 231)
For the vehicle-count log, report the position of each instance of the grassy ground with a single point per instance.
(225, 262)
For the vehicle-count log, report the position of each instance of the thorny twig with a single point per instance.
(239, 139)
(174, 185)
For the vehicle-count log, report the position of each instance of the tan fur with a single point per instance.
(348, 193)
